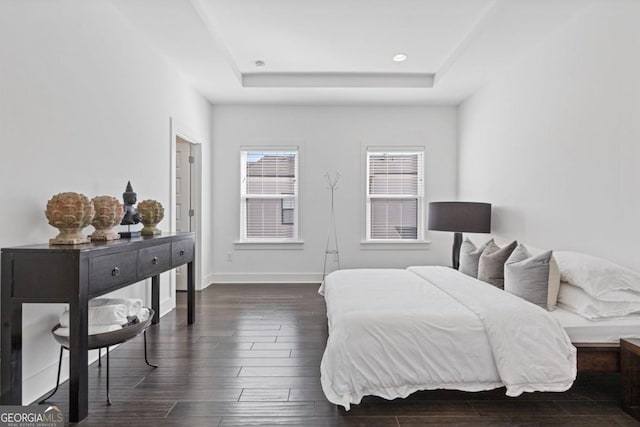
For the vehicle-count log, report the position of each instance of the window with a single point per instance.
(269, 195)
(395, 190)
(288, 208)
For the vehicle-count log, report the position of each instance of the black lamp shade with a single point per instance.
(464, 217)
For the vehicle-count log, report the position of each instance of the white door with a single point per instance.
(184, 208)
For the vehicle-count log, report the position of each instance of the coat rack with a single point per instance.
(331, 247)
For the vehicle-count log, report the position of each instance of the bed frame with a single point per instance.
(598, 357)
(623, 358)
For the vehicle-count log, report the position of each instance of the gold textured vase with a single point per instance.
(70, 213)
(152, 213)
(109, 213)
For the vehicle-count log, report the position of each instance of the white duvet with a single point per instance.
(394, 332)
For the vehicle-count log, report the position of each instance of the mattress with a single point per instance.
(581, 330)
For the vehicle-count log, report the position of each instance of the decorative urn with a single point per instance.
(109, 213)
(70, 213)
(152, 213)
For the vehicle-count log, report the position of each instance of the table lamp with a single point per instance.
(459, 217)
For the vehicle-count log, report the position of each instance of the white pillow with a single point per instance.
(596, 276)
(578, 301)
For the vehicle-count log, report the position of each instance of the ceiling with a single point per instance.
(340, 51)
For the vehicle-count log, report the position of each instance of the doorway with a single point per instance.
(184, 198)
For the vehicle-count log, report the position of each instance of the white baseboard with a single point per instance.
(44, 380)
(166, 306)
(264, 278)
(207, 280)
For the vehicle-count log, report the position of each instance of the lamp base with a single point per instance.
(455, 254)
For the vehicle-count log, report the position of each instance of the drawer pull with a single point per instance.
(181, 252)
(115, 271)
(155, 260)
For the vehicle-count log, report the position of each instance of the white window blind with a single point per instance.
(269, 195)
(395, 190)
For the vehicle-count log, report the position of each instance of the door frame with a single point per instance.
(178, 130)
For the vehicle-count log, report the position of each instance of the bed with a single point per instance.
(396, 331)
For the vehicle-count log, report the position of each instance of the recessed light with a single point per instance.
(399, 57)
(260, 63)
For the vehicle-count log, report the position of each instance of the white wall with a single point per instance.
(331, 139)
(84, 106)
(554, 142)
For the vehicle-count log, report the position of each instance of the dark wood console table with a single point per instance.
(74, 274)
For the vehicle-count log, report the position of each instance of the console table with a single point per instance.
(74, 274)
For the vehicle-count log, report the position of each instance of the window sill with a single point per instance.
(411, 245)
(268, 245)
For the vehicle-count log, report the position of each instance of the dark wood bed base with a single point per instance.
(598, 357)
(623, 358)
(611, 357)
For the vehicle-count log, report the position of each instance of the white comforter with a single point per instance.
(393, 332)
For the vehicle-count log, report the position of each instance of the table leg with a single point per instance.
(78, 359)
(191, 294)
(11, 354)
(155, 298)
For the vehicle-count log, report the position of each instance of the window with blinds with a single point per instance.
(269, 195)
(395, 191)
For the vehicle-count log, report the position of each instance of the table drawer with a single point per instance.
(181, 252)
(109, 271)
(154, 260)
(34, 275)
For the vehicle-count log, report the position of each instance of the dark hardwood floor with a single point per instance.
(253, 357)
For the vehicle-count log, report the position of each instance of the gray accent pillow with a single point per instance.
(470, 257)
(491, 265)
(534, 278)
